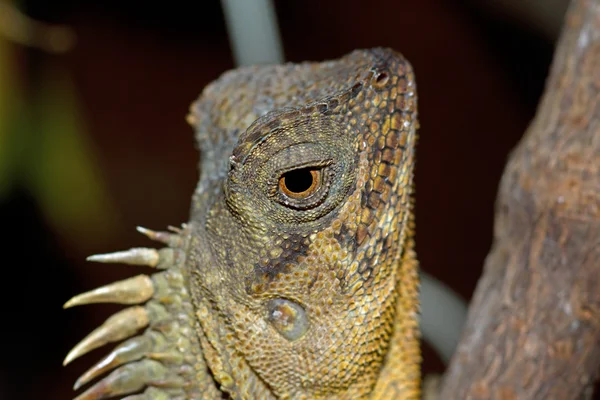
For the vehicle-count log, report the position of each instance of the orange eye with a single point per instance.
(300, 183)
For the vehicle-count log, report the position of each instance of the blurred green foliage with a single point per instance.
(9, 100)
(44, 148)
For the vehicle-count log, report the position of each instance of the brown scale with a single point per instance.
(296, 275)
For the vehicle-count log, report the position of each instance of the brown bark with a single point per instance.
(533, 330)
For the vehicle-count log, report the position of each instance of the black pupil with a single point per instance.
(298, 180)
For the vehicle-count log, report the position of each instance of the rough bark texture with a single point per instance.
(533, 330)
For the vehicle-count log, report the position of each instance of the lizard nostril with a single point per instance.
(381, 79)
(288, 318)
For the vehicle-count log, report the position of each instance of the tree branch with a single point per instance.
(533, 330)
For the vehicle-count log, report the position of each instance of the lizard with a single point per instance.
(296, 275)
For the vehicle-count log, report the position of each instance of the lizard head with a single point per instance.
(288, 278)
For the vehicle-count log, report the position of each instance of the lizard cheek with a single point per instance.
(288, 318)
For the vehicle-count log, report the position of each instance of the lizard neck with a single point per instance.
(401, 374)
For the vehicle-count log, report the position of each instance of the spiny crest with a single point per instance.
(160, 359)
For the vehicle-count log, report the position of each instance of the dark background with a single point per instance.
(131, 160)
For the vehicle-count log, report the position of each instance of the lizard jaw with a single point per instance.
(160, 359)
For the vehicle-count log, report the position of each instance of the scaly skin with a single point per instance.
(296, 276)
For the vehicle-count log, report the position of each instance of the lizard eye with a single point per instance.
(303, 188)
(300, 183)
